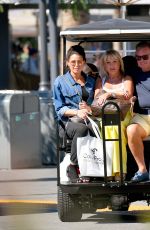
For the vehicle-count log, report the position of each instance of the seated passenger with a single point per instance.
(97, 61)
(139, 127)
(130, 65)
(114, 84)
(73, 92)
(91, 69)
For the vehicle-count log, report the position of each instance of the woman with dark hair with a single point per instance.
(73, 94)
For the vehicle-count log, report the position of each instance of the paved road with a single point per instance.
(27, 189)
(28, 184)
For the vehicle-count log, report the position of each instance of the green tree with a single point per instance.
(76, 6)
(1, 9)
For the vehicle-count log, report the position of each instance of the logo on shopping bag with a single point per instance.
(93, 155)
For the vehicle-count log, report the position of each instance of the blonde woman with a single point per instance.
(114, 84)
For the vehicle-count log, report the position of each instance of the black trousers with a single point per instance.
(73, 130)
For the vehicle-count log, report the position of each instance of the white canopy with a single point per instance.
(109, 30)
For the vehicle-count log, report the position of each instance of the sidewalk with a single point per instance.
(28, 188)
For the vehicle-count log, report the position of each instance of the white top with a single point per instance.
(121, 86)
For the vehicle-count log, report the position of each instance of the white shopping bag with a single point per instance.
(63, 168)
(90, 154)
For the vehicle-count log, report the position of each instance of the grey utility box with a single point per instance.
(20, 138)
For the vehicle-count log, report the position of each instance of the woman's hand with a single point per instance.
(83, 105)
(82, 113)
(102, 98)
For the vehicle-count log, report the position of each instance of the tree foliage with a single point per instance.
(1, 9)
(76, 5)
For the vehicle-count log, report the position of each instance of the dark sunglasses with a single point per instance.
(144, 57)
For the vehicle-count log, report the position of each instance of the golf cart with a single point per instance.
(75, 199)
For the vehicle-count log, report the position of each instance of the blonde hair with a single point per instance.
(111, 53)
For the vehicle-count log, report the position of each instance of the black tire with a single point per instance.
(119, 203)
(122, 208)
(69, 209)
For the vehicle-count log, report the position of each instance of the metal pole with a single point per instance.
(44, 81)
(123, 16)
(53, 41)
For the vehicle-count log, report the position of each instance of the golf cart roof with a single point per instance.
(109, 30)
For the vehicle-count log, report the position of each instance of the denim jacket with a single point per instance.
(67, 93)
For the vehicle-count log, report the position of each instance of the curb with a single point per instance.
(17, 207)
(131, 208)
(28, 202)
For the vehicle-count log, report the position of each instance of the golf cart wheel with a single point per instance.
(120, 208)
(68, 208)
(119, 203)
